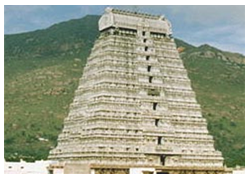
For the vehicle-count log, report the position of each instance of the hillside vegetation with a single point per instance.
(42, 69)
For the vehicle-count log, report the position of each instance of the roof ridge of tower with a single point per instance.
(134, 13)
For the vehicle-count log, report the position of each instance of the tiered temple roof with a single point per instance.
(135, 105)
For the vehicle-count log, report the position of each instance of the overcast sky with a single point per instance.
(219, 26)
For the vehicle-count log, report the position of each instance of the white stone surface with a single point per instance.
(112, 120)
(131, 20)
(141, 170)
(22, 167)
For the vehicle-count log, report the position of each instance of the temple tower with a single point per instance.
(134, 106)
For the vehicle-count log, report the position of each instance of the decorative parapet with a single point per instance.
(114, 18)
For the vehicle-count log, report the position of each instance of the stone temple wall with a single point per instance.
(134, 105)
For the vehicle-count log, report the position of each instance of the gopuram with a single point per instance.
(134, 110)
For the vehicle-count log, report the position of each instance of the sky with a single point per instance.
(220, 26)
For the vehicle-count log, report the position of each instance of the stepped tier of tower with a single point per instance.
(134, 104)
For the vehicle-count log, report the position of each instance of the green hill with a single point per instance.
(42, 69)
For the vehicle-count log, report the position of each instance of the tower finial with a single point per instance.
(108, 9)
(135, 9)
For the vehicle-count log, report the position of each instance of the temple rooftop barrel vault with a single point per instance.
(134, 109)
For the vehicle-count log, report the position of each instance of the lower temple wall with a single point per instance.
(153, 171)
(142, 171)
(76, 168)
(80, 168)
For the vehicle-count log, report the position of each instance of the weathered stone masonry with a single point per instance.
(134, 106)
